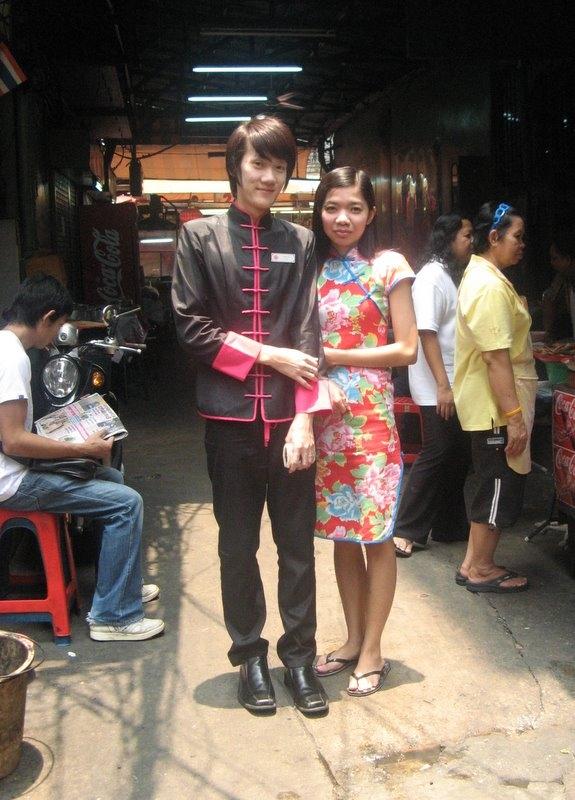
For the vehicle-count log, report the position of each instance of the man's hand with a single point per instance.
(445, 402)
(294, 364)
(516, 436)
(299, 448)
(339, 404)
(97, 447)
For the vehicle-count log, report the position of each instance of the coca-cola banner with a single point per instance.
(110, 254)
(564, 446)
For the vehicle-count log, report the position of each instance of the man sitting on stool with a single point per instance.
(40, 307)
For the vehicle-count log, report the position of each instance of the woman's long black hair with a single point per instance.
(343, 178)
(446, 228)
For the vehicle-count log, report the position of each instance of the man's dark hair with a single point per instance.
(488, 220)
(343, 178)
(35, 297)
(270, 138)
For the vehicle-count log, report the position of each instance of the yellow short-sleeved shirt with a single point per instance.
(490, 316)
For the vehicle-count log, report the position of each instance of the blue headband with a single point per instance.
(500, 212)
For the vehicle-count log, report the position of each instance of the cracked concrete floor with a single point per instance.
(479, 702)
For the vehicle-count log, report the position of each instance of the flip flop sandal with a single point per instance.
(494, 585)
(400, 553)
(461, 580)
(329, 659)
(383, 673)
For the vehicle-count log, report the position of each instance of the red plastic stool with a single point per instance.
(402, 406)
(51, 531)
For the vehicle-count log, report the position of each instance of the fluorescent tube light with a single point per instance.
(166, 186)
(284, 33)
(207, 212)
(217, 119)
(234, 98)
(290, 210)
(247, 69)
(159, 240)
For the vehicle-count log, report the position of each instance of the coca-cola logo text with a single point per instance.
(564, 471)
(565, 404)
(106, 249)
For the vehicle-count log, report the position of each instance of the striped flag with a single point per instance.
(10, 73)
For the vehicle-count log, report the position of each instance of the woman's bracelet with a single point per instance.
(515, 411)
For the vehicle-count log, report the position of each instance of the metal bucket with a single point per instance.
(16, 661)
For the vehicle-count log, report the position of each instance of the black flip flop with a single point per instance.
(414, 546)
(329, 659)
(494, 585)
(460, 578)
(402, 553)
(383, 673)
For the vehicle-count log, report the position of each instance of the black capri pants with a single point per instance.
(498, 498)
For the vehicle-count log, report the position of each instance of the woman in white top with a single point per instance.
(432, 500)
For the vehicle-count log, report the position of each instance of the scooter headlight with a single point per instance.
(61, 376)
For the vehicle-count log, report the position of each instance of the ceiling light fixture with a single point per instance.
(179, 186)
(247, 69)
(305, 33)
(217, 119)
(235, 98)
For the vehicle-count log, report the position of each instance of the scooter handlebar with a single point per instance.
(109, 346)
(137, 345)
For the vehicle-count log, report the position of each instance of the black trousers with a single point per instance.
(245, 474)
(432, 500)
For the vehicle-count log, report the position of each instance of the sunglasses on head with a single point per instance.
(500, 212)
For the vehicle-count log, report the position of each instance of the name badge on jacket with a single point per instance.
(283, 258)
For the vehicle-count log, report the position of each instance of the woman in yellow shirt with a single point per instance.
(494, 391)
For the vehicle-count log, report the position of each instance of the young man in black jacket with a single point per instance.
(244, 297)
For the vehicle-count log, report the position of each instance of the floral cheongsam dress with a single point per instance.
(359, 465)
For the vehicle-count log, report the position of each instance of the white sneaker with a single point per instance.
(149, 592)
(135, 632)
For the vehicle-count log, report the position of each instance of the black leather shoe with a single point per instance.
(255, 690)
(308, 694)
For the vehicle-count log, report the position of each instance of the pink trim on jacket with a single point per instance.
(314, 400)
(237, 355)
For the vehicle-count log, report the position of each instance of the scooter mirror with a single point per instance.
(109, 314)
(67, 335)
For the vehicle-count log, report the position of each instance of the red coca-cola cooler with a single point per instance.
(564, 447)
(110, 254)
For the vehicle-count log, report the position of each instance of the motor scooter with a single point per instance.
(71, 369)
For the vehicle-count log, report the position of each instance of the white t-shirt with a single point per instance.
(15, 377)
(435, 303)
(572, 308)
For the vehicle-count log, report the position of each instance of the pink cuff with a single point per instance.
(313, 401)
(237, 356)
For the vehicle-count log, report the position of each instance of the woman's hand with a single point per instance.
(517, 437)
(293, 363)
(339, 404)
(330, 354)
(299, 448)
(445, 402)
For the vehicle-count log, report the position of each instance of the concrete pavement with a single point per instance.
(479, 702)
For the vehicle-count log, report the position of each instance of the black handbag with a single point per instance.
(81, 468)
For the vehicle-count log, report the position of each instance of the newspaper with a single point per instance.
(79, 420)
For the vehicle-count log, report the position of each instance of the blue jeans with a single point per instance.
(120, 509)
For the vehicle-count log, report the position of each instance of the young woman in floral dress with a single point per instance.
(359, 468)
